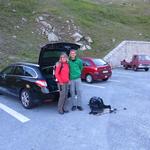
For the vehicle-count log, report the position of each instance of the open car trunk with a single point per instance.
(49, 55)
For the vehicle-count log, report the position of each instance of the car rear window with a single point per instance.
(29, 72)
(86, 62)
(99, 62)
(19, 71)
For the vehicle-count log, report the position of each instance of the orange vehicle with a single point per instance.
(137, 62)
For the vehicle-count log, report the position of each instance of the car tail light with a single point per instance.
(41, 83)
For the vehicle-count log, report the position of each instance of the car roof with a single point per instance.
(90, 58)
(26, 64)
(86, 58)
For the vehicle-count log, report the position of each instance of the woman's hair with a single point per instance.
(63, 55)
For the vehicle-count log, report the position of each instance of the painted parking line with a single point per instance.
(13, 113)
(114, 80)
(123, 76)
(96, 86)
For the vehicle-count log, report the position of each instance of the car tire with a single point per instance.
(25, 98)
(89, 78)
(105, 79)
(146, 69)
(126, 67)
(135, 68)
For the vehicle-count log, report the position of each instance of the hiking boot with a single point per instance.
(66, 111)
(73, 108)
(110, 111)
(61, 113)
(79, 108)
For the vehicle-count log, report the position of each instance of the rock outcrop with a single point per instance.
(55, 29)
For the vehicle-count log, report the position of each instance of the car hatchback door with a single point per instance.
(49, 55)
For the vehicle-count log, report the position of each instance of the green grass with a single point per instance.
(27, 44)
(105, 22)
(102, 22)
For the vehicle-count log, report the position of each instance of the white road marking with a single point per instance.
(13, 113)
(114, 80)
(97, 86)
(123, 76)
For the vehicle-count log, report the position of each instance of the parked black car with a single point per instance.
(34, 83)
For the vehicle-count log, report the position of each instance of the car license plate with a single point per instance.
(105, 71)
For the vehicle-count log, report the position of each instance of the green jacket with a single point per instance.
(76, 67)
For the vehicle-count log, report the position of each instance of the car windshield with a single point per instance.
(144, 57)
(99, 62)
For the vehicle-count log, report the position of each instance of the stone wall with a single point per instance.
(125, 50)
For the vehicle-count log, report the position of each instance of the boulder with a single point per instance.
(89, 40)
(24, 19)
(14, 10)
(85, 47)
(46, 25)
(40, 18)
(77, 36)
(52, 37)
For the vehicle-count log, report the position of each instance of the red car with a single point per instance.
(95, 69)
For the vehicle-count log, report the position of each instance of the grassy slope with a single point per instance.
(101, 21)
(20, 48)
(104, 22)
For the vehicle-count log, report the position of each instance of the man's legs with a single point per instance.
(72, 91)
(76, 90)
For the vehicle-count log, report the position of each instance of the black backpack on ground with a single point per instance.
(97, 105)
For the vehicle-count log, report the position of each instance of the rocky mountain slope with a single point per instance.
(97, 25)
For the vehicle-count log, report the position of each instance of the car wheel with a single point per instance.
(89, 78)
(134, 68)
(146, 69)
(105, 79)
(25, 98)
(126, 67)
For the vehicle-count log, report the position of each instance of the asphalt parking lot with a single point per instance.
(42, 128)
